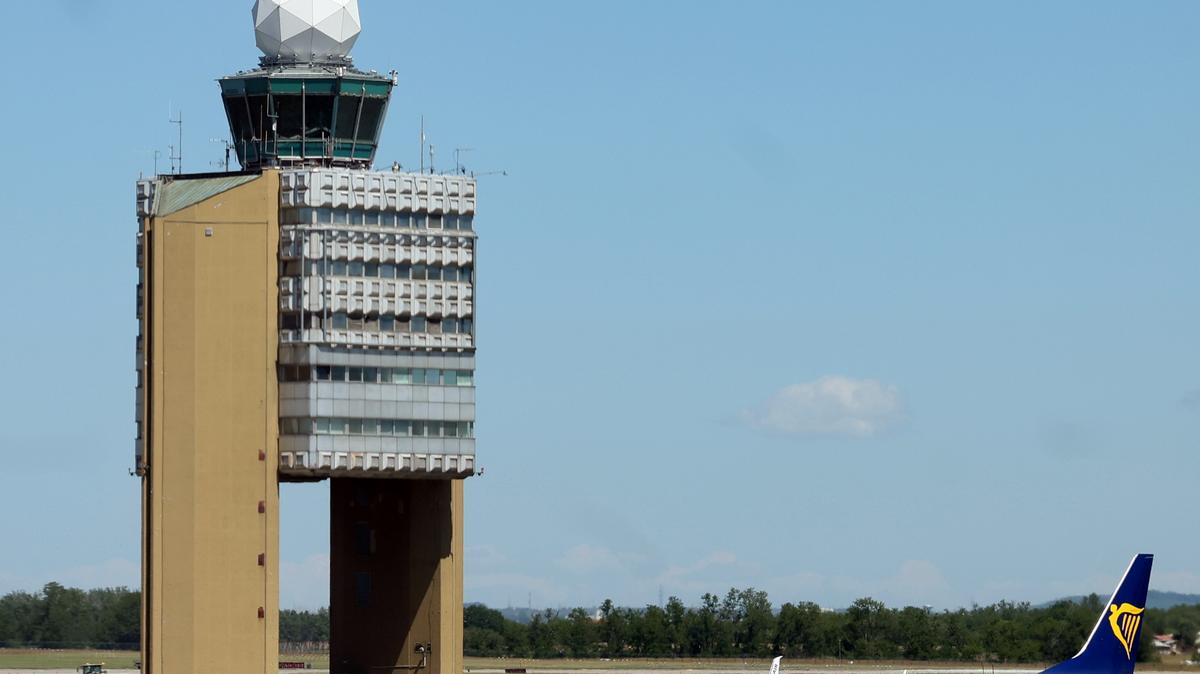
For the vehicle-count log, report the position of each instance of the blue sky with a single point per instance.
(831, 299)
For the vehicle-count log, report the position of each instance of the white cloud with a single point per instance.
(589, 559)
(304, 585)
(831, 406)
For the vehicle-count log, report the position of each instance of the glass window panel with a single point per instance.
(418, 221)
(450, 326)
(372, 218)
(419, 272)
(402, 376)
(403, 271)
(402, 428)
(339, 374)
(386, 427)
(404, 220)
(450, 378)
(325, 216)
(387, 323)
(338, 267)
(357, 217)
(371, 269)
(368, 124)
(418, 377)
(341, 322)
(418, 429)
(341, 216)
(355, 427)
(322, 426)
(450, 429)
(337, 426)
(323, 373)
(355, 269)
(434, 221)
(356, 374)
(466, 326)
(370, 427)
(371, 375)
(419, 324)
(466, 378)
(387, 271)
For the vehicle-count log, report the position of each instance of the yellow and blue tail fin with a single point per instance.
(1112, 647)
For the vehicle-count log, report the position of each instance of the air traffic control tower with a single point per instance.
(305, 319)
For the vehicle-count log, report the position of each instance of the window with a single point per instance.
(419, 272)
(356, 426)
(362, 589)
(450, 326)
(371, 375)
(337, 426)
(418, 377)
(418, 324)
(357, 218)
(372, 218)
(418, 221)
(403, 271)
(418, 429)
(339, 268)
(355, 269)
(466, 378)
(404, 220)
(341, 216)
(402, 376)
(434, 221)
(324, 216)
(387, 323)
(340, 322)
(450, 378)
(323, 373)
(356, 374)
(387, 271)
(339, 374)
(372, 270)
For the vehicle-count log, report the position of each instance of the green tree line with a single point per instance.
(742, 623)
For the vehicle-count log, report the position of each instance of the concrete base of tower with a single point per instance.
(395, 591)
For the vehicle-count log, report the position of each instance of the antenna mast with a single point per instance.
(179, 148)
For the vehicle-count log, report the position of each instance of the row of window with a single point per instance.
(377, 375)
(399, 428)
(364, 218)
(381, 323)
(414, 272)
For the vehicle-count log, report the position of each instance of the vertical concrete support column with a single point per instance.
(210, 536)
(396, 576)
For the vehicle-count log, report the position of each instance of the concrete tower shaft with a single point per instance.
(305, 320)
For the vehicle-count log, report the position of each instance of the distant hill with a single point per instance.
(1156, 599)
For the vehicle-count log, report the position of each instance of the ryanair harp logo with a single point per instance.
(1125, 620)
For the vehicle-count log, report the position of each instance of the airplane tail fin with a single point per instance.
(1112, 647)
(775, 664)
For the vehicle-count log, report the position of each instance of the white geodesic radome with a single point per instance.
(306, 30)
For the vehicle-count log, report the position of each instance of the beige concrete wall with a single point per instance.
(404, 540)
(211, 330)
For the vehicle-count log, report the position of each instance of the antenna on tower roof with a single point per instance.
(458, 165)
(177, 154)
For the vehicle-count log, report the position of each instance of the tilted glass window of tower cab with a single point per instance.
(305, 319)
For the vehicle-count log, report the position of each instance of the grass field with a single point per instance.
(16, 659)
(29, 659)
